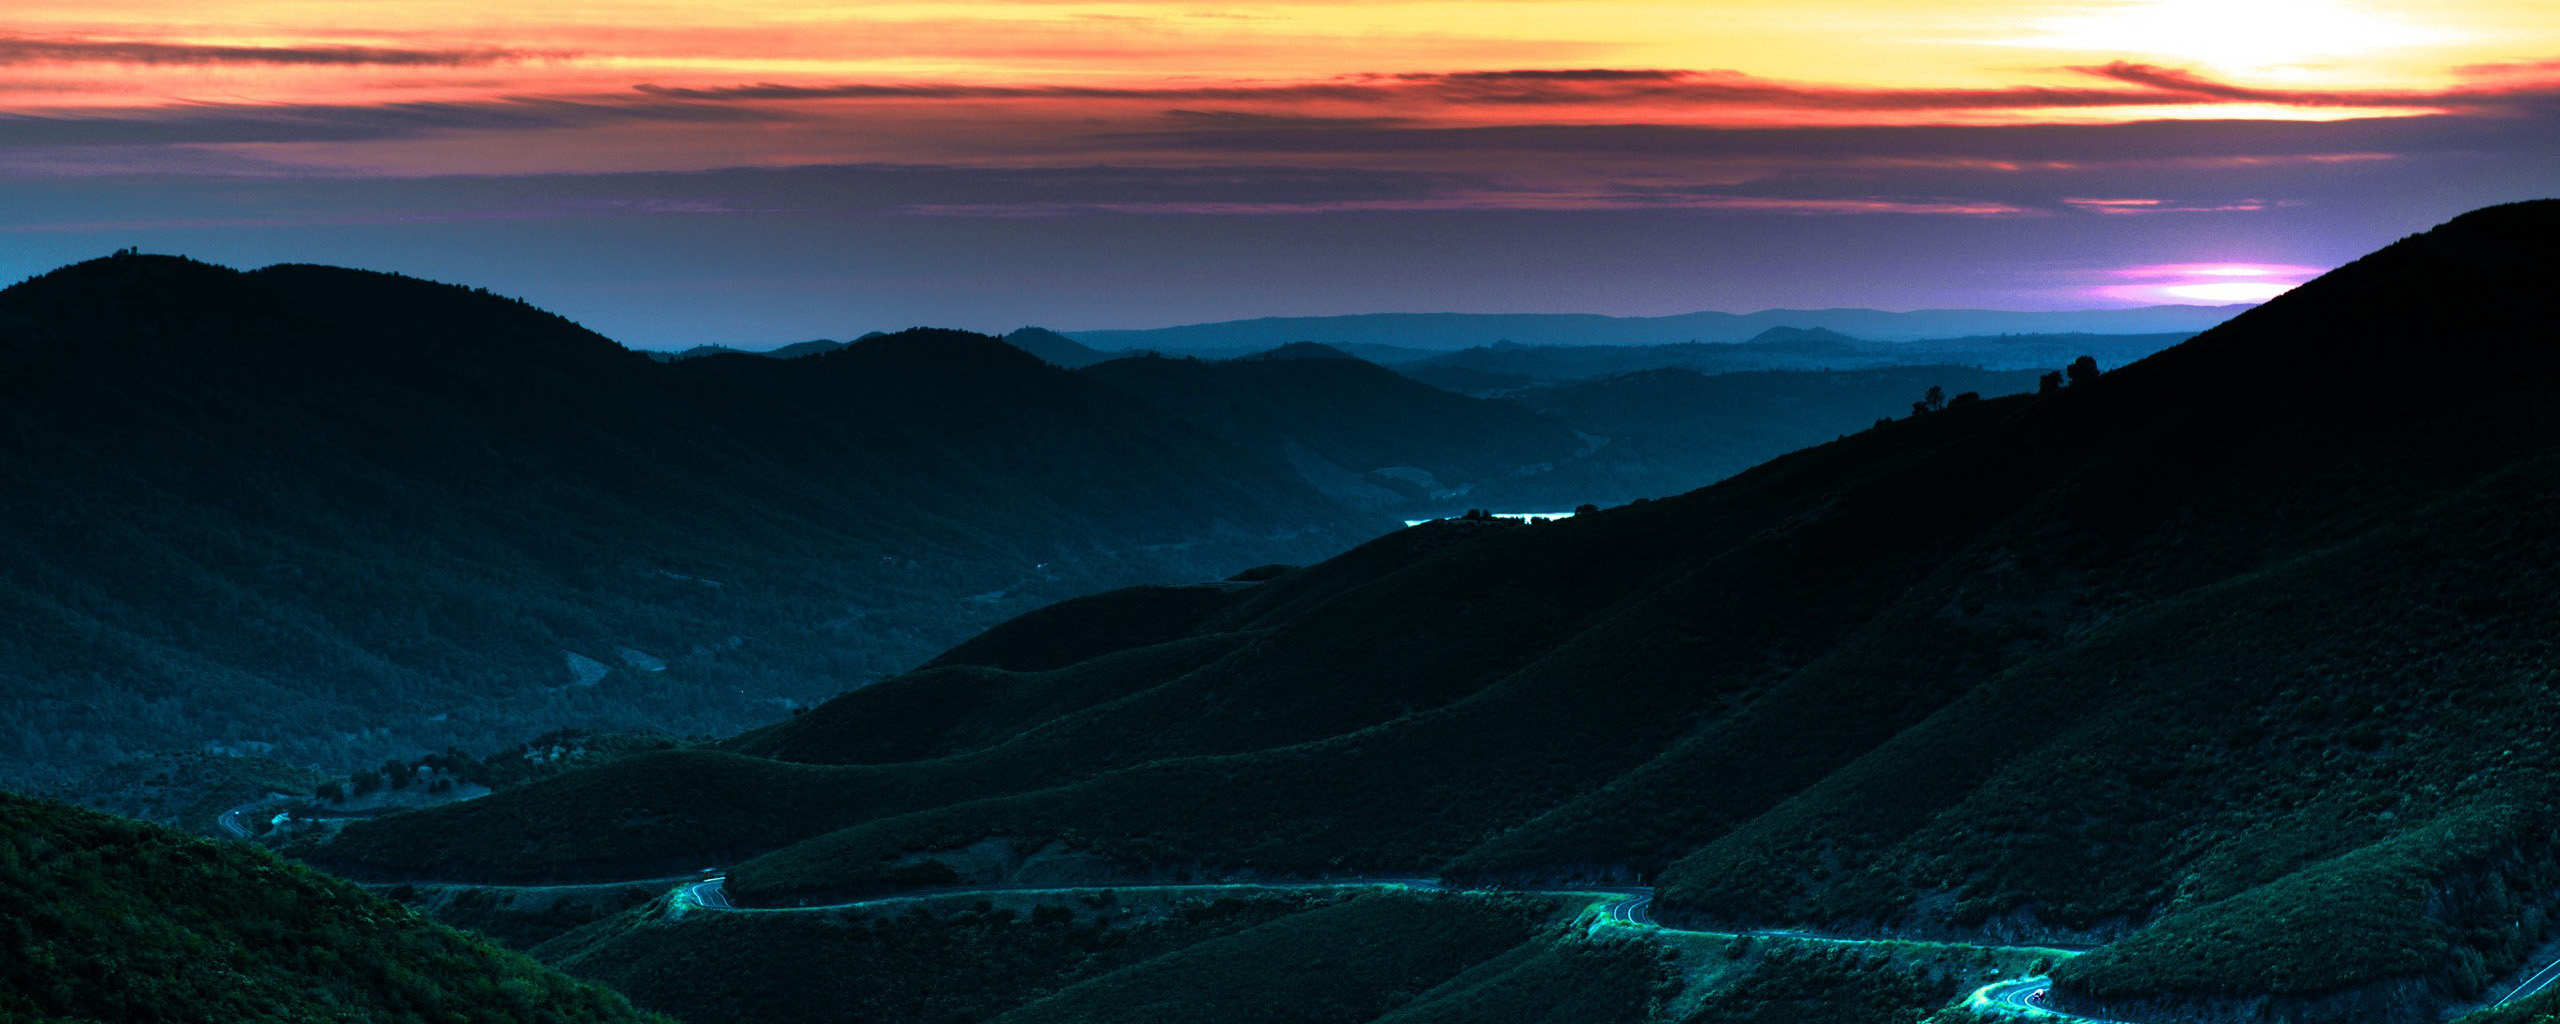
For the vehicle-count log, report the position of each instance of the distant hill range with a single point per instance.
(1507, 366)
(1052, 347)
(1447, 331)
(2236, 663)
(333, 517)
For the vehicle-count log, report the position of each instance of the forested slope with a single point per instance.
(2236, 660)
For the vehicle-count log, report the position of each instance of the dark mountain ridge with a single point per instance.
(1352, 429)
(1503, 369)
(2236, 661)
(340, 515)
(1450, 331)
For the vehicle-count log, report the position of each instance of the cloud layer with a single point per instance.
(1125, 163)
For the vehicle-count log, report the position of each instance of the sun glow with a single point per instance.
(2261, 38)
(2228, 291)
(2205, 282)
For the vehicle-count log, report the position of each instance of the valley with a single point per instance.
(1137, 512)
(2112, 665)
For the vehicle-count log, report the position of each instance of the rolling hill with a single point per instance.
(1358, 432)
(2235, 662)
(334, 516)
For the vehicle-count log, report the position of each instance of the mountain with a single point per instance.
(1304, 350)
(1451, 331)
(2235, 663)
(1506, 367)
(1356, 431)
(109, 919)
(333, 517)
(791, 351)
(1054, 348)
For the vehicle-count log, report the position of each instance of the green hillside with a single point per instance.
(2236, 661)
(107, 919)
(332, 517)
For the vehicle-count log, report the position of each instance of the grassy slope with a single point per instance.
(1346, 963)
(2159, 657)
(110, 919)
(918, 966)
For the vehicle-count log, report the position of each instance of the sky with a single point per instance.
(754, 172)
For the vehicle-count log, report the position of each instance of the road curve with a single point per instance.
(2532, 984)
(712, 893)
(2026, 997)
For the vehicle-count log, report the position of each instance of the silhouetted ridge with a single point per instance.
(932, 350)
(1304, 350)
(2431, 318)
(1055, 348)
(438, 320)
(1804, 337)
(1341, 422)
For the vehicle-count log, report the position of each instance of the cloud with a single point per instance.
(205, 124)
(28, 50)
(1523, 88)
(1979, 147)
(959, 91)
(2524, 85)
(2138, 207)
(2139, 85)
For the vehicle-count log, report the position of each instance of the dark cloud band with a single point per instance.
(24, 50)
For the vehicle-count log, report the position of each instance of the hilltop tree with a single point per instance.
(2049, 383)
(2083, 370)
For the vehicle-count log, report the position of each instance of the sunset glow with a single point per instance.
(2155, 117)
(2206, 282)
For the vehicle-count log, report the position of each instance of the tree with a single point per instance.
(2083, 370)
(1967, 398)
(1936, 399)
(2049, 383)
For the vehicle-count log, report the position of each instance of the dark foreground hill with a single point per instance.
(2238, 661)
(336, 516)
(106, 919)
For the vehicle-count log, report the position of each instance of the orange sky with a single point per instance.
(1811, 62)
(2224, 115)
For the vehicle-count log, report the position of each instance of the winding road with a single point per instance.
(2027, 996)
